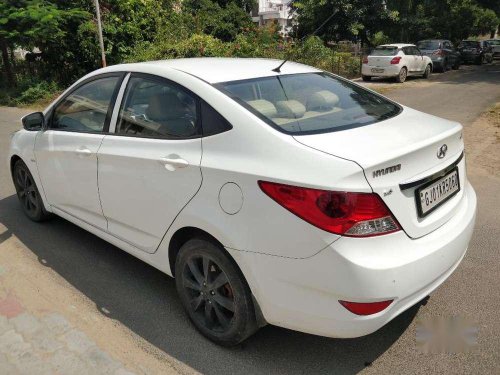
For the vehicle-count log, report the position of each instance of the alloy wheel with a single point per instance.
(211, 298)
(26, 191)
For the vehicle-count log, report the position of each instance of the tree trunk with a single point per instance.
(11, 82)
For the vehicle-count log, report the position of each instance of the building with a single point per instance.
(274, 11)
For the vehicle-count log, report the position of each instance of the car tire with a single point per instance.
(366, 78)
(214, 293)
(456, 65)
(28, 193)
(445, 65)
(427, 72)
(480, 60)
(401, 77)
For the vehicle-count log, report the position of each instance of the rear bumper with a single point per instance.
(389, 71)
(303, 294)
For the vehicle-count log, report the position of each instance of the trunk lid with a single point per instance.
(379, 61)
(410, 140)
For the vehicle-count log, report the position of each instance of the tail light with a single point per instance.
(366, 308)
(365, 60)
(343, 213)
(396, 60)
(438, 52)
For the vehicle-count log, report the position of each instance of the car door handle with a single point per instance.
(173, 162)
(83, 151)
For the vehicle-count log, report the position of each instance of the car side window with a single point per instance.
(86, 108)
(416, 51)
(407, 51)
(157, 109)
(212, 122)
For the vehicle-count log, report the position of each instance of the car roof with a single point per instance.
(398, 45)
(215, 69)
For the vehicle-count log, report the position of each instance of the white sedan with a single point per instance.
(396, 60)
(286, 196)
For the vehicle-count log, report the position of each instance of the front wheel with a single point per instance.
(401, 77)
(28, 193)
(214, 293)
(427, 72)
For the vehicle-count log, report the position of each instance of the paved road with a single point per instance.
(144, 301)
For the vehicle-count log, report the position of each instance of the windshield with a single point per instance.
(384, 51)
(429, 44)
(494, 42)
(309, 103)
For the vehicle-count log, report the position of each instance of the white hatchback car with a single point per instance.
(396, 60)
(284, 196)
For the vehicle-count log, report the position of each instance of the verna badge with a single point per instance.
(442, 151)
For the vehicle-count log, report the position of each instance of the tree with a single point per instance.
(35, 23)
(353, 19)
(221, 21)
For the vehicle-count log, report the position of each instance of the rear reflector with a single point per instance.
(344, 213)
(365, 60)
(366, 308)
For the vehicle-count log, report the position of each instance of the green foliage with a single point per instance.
(379, 38)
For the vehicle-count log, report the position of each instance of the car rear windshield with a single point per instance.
(384, 51)
(429, 44)
(469, 43)
(309, 103)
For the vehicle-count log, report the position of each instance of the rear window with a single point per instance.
(429, 44)
(309, 103)
(384, 51)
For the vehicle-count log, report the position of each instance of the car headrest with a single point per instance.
(165, 106)
(264, 107)
(322, 100)
(290, 109)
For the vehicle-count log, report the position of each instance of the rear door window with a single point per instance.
(155, 108)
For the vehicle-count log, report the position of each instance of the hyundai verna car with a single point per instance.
(285, 196)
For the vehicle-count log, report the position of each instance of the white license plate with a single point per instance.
(375, 70)
(437, 192)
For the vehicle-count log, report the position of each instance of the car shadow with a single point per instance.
(145, 300)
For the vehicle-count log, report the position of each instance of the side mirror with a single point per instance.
(34, 121)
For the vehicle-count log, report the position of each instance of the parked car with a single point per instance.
(396, 60)
(475, 52)
(488, 51)
(281, 195)
(442, 53)
(495, 44)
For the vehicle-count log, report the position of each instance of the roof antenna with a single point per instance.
(278, 69)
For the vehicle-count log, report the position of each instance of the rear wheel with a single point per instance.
(28, 193)
(214, 293)
(401, 77)
(366, 78)
(427, 72)
(445, 65)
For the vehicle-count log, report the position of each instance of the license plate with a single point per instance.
(435, 193)
(375, 70)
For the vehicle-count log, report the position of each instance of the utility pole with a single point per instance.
(99, 30)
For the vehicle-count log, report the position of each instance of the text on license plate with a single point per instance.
(437, 192)
(377, 70)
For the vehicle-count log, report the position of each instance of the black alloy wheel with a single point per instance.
(28, 193)
(214, 293)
